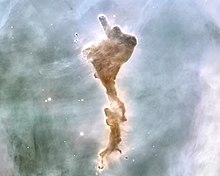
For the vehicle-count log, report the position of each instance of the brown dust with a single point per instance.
(107, 58)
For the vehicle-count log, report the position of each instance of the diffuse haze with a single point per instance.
(107, 58)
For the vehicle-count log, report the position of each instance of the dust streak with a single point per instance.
(107, 58)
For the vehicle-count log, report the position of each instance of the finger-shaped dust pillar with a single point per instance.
(107, 58)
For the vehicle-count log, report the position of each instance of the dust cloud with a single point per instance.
(107, 57)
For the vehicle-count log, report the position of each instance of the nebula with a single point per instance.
(107, 57)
